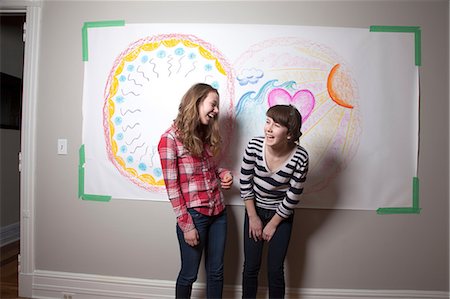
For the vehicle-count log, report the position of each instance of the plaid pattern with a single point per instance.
(191, 182)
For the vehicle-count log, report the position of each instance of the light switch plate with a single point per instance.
(62, 146)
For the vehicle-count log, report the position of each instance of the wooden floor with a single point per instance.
(9, 285)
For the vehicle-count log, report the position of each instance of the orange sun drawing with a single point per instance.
(339, 87)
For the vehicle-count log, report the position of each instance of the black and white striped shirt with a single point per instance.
(279, 190)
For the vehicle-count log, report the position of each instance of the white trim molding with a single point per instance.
(28, 141)
(47, 284)
(32, 9)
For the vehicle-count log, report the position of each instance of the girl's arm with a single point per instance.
(296, 184)
(271, 227)
(292, 198)
(167, 149)
(247, 172)
(246, 189)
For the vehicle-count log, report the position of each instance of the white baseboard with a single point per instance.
(9, 233)
(365, 294)
(48, 284)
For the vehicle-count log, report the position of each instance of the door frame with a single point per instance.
(32, 10)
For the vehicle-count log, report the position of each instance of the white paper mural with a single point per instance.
(356, 90)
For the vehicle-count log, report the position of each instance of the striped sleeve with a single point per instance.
(296, 183)
(251, 154)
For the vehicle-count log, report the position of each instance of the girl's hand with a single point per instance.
(255, 228)
(268, 231)
(226, 181)
(191, 237)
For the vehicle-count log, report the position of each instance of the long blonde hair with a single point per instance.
(192, 133)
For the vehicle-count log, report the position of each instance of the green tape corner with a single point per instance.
(87, 25)
(415, 209)
(407, 29)
(81, 193)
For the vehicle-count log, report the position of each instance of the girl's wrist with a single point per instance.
(251, 217)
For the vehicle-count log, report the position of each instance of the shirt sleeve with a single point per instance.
(296, 184)
(167, 149)
(247, 173)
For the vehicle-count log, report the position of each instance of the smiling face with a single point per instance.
(208, 109)
(276, 134)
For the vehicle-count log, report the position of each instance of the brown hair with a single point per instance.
(289, 117)
(192, 133)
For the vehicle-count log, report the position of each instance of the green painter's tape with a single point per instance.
(81, 181)
(408, 29)
(416, 193)
(394, 28)
(81, 171)
(105, 23)
(418, 43)
(84, 32)
(415, 209)
(92, 197)
(390, 211)
(82, 156)
(84, 40)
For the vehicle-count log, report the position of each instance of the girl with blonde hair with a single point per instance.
(188, 151)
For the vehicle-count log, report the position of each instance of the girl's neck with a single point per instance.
(201, 132)
(280, 150)
(276, 157)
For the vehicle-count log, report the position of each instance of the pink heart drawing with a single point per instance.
(303, 100)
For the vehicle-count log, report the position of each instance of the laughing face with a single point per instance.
(276, 134)
(208, 109)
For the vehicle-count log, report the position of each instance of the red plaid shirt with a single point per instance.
(191, 182)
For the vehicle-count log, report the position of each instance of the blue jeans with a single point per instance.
(276, 253)
(212, 231)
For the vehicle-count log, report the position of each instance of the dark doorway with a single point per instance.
(11, 74)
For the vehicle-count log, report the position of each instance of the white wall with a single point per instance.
(330, 249)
